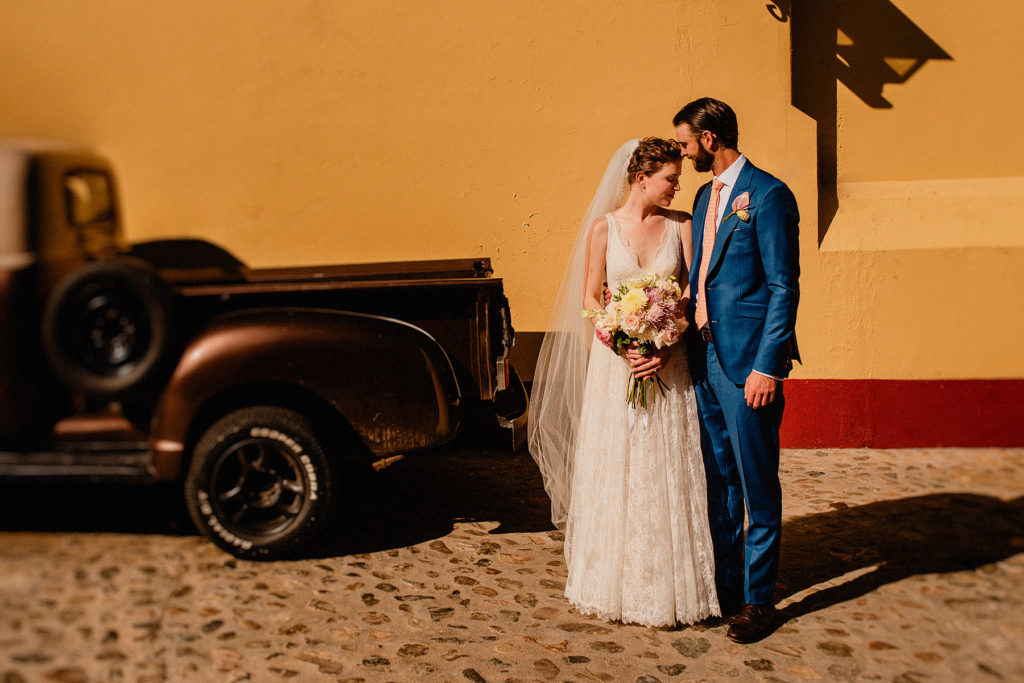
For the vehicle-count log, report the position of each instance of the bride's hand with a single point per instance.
(643, 366)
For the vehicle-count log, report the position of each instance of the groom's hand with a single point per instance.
(647, 366)
(759, 390)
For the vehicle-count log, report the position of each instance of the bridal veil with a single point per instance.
(561, 374)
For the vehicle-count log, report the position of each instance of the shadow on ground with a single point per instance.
(417, 499)
(862, 548)
(83, 507)
(421, 497)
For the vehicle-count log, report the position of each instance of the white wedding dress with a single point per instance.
(637, 537)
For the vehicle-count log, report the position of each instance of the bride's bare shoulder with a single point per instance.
(599, 227)
(684, 227)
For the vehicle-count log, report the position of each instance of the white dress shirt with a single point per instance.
(728, 179)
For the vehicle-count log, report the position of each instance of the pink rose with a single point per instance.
(741, 202)
(632, 322)
(604, 336)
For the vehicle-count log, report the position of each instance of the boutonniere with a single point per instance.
(741, 208)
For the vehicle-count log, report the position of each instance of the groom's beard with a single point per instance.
(702, 160)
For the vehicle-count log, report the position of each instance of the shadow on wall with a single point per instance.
(863, 44)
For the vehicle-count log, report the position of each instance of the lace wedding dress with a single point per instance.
(637, 538)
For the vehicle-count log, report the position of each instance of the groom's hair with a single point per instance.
(711, 115)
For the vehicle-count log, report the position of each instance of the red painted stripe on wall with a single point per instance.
(826, 413)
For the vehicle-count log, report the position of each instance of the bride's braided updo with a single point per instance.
(650, 155)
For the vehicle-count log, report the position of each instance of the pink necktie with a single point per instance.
(710, 227)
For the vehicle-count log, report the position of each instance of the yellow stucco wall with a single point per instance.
(311, 132)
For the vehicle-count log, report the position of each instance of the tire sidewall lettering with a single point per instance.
(214, 524)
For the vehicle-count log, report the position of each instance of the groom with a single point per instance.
(743, 284)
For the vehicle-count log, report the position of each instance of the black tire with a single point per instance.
(260, 485)
(106, 328)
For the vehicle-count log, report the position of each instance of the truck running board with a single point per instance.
(130, 465)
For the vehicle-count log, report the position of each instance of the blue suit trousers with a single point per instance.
(741, 461)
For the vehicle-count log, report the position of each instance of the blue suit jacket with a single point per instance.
(752, 283)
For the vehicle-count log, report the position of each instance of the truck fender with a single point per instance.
(391, 381)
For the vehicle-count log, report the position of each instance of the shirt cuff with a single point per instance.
(777, 379)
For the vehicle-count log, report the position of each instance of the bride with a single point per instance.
(627, 485)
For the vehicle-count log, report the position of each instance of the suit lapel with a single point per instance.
(743, 184)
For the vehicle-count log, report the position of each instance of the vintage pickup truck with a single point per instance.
(260, 390)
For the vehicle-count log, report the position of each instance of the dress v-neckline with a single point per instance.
(636, 257)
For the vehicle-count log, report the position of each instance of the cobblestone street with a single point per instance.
(903, 565)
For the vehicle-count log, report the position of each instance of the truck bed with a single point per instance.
(455, 300)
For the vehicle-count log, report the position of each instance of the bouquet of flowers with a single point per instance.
(642, 313)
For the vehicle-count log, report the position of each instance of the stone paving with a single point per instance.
(897, 566)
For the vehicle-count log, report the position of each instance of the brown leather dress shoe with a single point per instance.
(753, 623)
